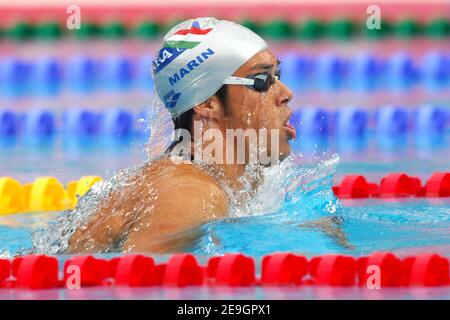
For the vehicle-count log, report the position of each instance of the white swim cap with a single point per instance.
(197, 57)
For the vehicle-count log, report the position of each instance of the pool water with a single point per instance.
(404, 227)
(295, 209)
(282, 215)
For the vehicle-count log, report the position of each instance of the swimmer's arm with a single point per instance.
(99, 234)
(105, 227)
(331, 226)
(179, 207)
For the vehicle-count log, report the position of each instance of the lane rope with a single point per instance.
(230, 270)
(48, 194)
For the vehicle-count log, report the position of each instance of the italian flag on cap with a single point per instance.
(187, 38)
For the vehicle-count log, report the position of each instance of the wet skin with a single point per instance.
(159, 202)
(159, 207)
(166, 198)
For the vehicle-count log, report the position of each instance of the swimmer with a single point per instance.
(217, 74)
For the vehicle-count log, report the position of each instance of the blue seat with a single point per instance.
(365, 72)
(296, 70)
(331, 72)
(391, 121)
(46, 76)
(14, 76)
(9, 123)
(311, 121)
(143, 72)
(117, 122)
(351, 122)
(431, 120)
(81, 73)
(80, 122)
(39, 122)
(401, 73)
(436, 70)
(118, 72)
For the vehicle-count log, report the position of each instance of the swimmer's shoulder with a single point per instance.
(164, 168)
(185, 180)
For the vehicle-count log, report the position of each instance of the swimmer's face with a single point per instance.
(251, 109)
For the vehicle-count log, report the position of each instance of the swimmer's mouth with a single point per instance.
(290, 129)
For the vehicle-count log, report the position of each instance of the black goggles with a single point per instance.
(260, 82)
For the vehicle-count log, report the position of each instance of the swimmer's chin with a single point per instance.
(283, 156)
(286, 153)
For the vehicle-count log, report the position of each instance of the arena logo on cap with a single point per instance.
(179, 42)
(171, 99)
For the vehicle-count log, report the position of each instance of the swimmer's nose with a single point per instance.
(284, 96)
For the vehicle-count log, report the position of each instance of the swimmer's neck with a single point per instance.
(233, 173)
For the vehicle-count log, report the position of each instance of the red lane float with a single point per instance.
(5, 269)
(388, 266)
(135, 271)
(283, 269)
(354, 186)
(235, 270)
(183, 270)
(333, 270)
(399, 185)
(438, 185)
(93, 271)
(37, 272)
(428, 270)
(15, 265)
(394, 185)
(231, 270)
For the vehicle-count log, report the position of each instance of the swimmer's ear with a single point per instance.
(210, 109)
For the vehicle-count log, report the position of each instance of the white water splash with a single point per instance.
(280, 184)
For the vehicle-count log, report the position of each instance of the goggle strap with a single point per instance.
(239, 81)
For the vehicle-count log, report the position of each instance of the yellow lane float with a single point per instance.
(44, 194)
(12, 198)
